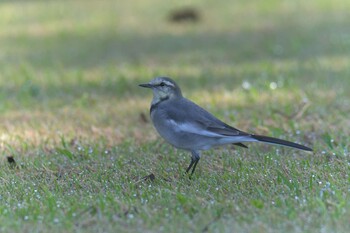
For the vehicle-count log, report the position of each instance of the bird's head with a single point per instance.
(163, 88)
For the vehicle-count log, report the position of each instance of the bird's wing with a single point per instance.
(221, 128)
(192, 118)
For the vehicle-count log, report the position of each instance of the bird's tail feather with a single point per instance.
(280, 142)
(240, 144)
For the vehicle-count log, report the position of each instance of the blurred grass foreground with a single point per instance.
(77, 125)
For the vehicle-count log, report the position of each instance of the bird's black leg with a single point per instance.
(194, 161)
(195, 165)
(191, 164)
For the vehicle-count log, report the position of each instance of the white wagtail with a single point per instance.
(187, 126)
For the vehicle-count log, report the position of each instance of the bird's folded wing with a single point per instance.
(206, 129)
(194, 119)
(222, 129)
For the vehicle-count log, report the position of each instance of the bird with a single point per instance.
(187, 126)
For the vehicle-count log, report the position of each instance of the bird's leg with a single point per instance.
(191, 164)
(194, 166)
(194, 161)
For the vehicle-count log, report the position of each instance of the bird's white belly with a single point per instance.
(183, 137)
(175, 136)
(185, 140)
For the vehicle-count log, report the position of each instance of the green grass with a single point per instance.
(70, 112)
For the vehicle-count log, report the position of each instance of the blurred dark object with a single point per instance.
(11, 161)
(182, 15)
(143, 118)
(150, 177)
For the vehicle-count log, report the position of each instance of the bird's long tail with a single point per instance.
(280, 142)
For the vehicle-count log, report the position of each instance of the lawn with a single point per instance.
(87, 158)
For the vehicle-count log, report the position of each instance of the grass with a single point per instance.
(72, 116)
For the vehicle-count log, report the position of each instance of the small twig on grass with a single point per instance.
(217, 217)
(91, 209)
(151, 177)
(297, 114)
(302, 110)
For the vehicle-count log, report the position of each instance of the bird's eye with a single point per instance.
(162, 84)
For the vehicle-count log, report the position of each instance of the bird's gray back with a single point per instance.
(184, 111)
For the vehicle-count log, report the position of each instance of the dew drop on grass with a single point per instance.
(273, 85)
(90, 150)
(246, 85)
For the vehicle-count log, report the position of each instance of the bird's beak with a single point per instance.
(147, 85)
